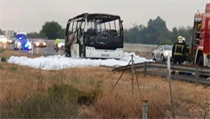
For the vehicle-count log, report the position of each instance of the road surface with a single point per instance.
(140, 49)
(39, 50)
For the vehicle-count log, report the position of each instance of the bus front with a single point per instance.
(104, 36)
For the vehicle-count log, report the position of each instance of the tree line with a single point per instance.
(155, 32)
(50, 30)
(1, 32)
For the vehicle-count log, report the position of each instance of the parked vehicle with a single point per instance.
(60, 45)
(3, 39)
(161, 52)
(40, 43)
(10, 41)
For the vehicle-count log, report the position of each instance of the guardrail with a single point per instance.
(155, 66)
(160, 65)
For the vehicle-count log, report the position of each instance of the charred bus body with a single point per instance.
(94, 36)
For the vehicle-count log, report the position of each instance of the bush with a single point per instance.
(166, 43)
(3, 59)
(71, 94)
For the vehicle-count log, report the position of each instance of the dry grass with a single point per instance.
(189, 100)
(8, 53)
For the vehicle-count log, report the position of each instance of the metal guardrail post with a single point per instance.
(169, 82)
(145, 109)
(196, 76)
(207, 110)
(132, 72)
(32, 50)
(145, 69)
(206, 116)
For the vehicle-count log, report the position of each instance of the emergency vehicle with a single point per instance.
(200, 45)
(22, 41)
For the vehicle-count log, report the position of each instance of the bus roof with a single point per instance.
(96, 16)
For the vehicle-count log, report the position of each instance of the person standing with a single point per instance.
(186, 50)
(177, 52)
(57, 41)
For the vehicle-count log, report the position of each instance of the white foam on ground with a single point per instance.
(56, 62)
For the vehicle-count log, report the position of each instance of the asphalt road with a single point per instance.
(49, 50)
(37, 50)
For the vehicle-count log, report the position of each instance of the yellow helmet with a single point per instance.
(179, 38)
(199, 26)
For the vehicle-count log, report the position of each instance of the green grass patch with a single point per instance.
(70, 93)
(91, 82)
(2, 50)
(1, 67)
(75, 80)
(13, 68)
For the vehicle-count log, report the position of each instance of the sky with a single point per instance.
(30, 15)
(57, 62)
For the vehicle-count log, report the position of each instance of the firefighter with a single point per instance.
(177, 52)
(186, 50)
(57, 41)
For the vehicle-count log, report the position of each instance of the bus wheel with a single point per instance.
(200, 60)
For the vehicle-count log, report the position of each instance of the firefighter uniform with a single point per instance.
(186, 50)
(177, 52)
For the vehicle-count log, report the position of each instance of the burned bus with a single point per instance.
(94, 36)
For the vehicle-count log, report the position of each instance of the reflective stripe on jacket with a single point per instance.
(178, 49)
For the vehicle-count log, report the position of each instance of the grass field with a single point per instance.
(86, 93)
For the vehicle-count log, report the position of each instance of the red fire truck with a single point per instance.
(200, 47)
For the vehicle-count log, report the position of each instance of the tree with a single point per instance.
(51, 30)
(61, 33)
(33, 35)
(1, 32)
(156, 32)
